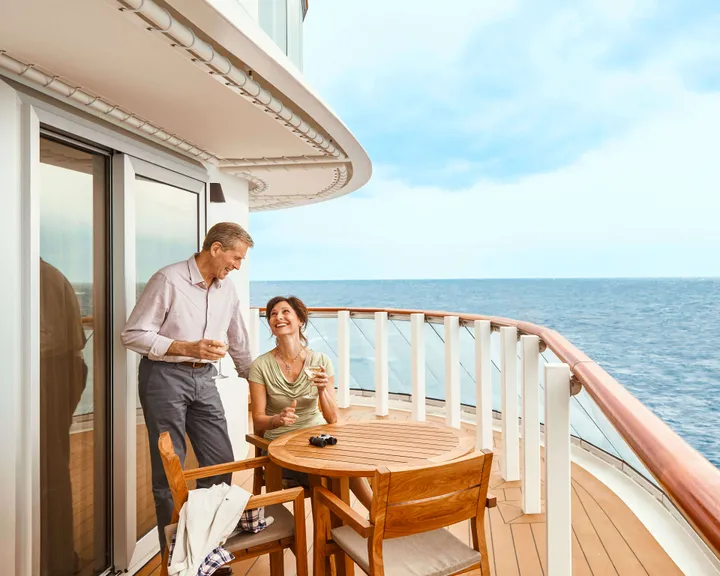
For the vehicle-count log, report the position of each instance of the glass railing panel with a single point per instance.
(399, 358)
(324, 333)
(362, 353)
(592, 426)
(266, 341)
(431, 382)
(366, 327)
(434, 362)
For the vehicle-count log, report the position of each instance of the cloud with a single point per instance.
(513, 87)
(514, 139)
(645, 204)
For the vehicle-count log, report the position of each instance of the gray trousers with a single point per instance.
(180, 399)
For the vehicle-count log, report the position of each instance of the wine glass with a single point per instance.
(220, 375)
(311, 372)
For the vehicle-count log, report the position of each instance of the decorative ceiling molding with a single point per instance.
(99, 106)
(282, 161)
(205, 55)
(264, 201)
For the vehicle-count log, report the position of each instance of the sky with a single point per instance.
(513, 139)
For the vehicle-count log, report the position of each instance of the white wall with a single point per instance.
(234, 390)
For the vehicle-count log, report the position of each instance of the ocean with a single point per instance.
(660, 338)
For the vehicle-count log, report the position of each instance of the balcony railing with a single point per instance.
(524, 373)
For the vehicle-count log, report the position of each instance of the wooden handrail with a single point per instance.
(686, 476)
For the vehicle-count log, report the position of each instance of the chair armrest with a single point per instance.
(218, 469)
(279, 497)
(257, 441)
(324, 497)
(491, 501)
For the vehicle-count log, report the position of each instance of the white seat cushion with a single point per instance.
(434, 553)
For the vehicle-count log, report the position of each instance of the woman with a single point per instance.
(283, 397)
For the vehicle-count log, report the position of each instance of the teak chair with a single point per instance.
(287, 530)
(410, 508)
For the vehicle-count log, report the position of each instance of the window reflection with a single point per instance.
(73, 382)
(166, 222)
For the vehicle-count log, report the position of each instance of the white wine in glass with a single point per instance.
(220, 375)
(311, 372)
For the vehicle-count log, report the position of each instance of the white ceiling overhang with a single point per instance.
(153, 70)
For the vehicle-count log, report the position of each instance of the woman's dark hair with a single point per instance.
(297, 305)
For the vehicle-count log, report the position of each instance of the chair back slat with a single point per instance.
(414, 500)
(436, 480)
(426, 515)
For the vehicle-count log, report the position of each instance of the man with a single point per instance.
(185, 314)
(63, 375)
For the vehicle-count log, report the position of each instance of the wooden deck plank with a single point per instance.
(580, 566)
(539, 533)
(589, 541)
(506, 563)
(528, 558)
(644, 546)
(623, 558)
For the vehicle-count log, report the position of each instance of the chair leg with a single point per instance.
(277, 564)
(164, 562)
(321, 518)
(477, 526)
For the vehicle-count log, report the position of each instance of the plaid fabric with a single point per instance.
(252, 521)
(217, 558)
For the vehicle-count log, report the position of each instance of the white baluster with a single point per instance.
(381, 364)
(530, 346)
(510, 461)
(343, 373)
(483, 386)
(254, 332)
(452, 371)
(417, 347)
(557, 469)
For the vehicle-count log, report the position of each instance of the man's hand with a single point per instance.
(202, 349)
(287, 417)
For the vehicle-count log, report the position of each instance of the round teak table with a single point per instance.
(362, 448)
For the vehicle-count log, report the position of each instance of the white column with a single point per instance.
(557, 469)
(417, 350)
(124, 412)
(343, 373)
(381, 364)
(452, 371)
(530, 346)
(19, 336)
(483, 386)
(510, 461)
(254, 332)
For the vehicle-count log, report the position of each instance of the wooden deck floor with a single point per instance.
(607, 537)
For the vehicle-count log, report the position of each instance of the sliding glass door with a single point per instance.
(74, 383)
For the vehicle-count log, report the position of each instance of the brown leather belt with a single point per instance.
(194, 364)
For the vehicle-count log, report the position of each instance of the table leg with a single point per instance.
(341, 488)
(273, 483)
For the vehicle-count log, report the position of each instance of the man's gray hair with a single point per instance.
(227, 233)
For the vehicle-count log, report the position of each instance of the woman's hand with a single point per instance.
(287, 417)
(320, 380)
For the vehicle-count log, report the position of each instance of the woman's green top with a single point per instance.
(281, 392)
